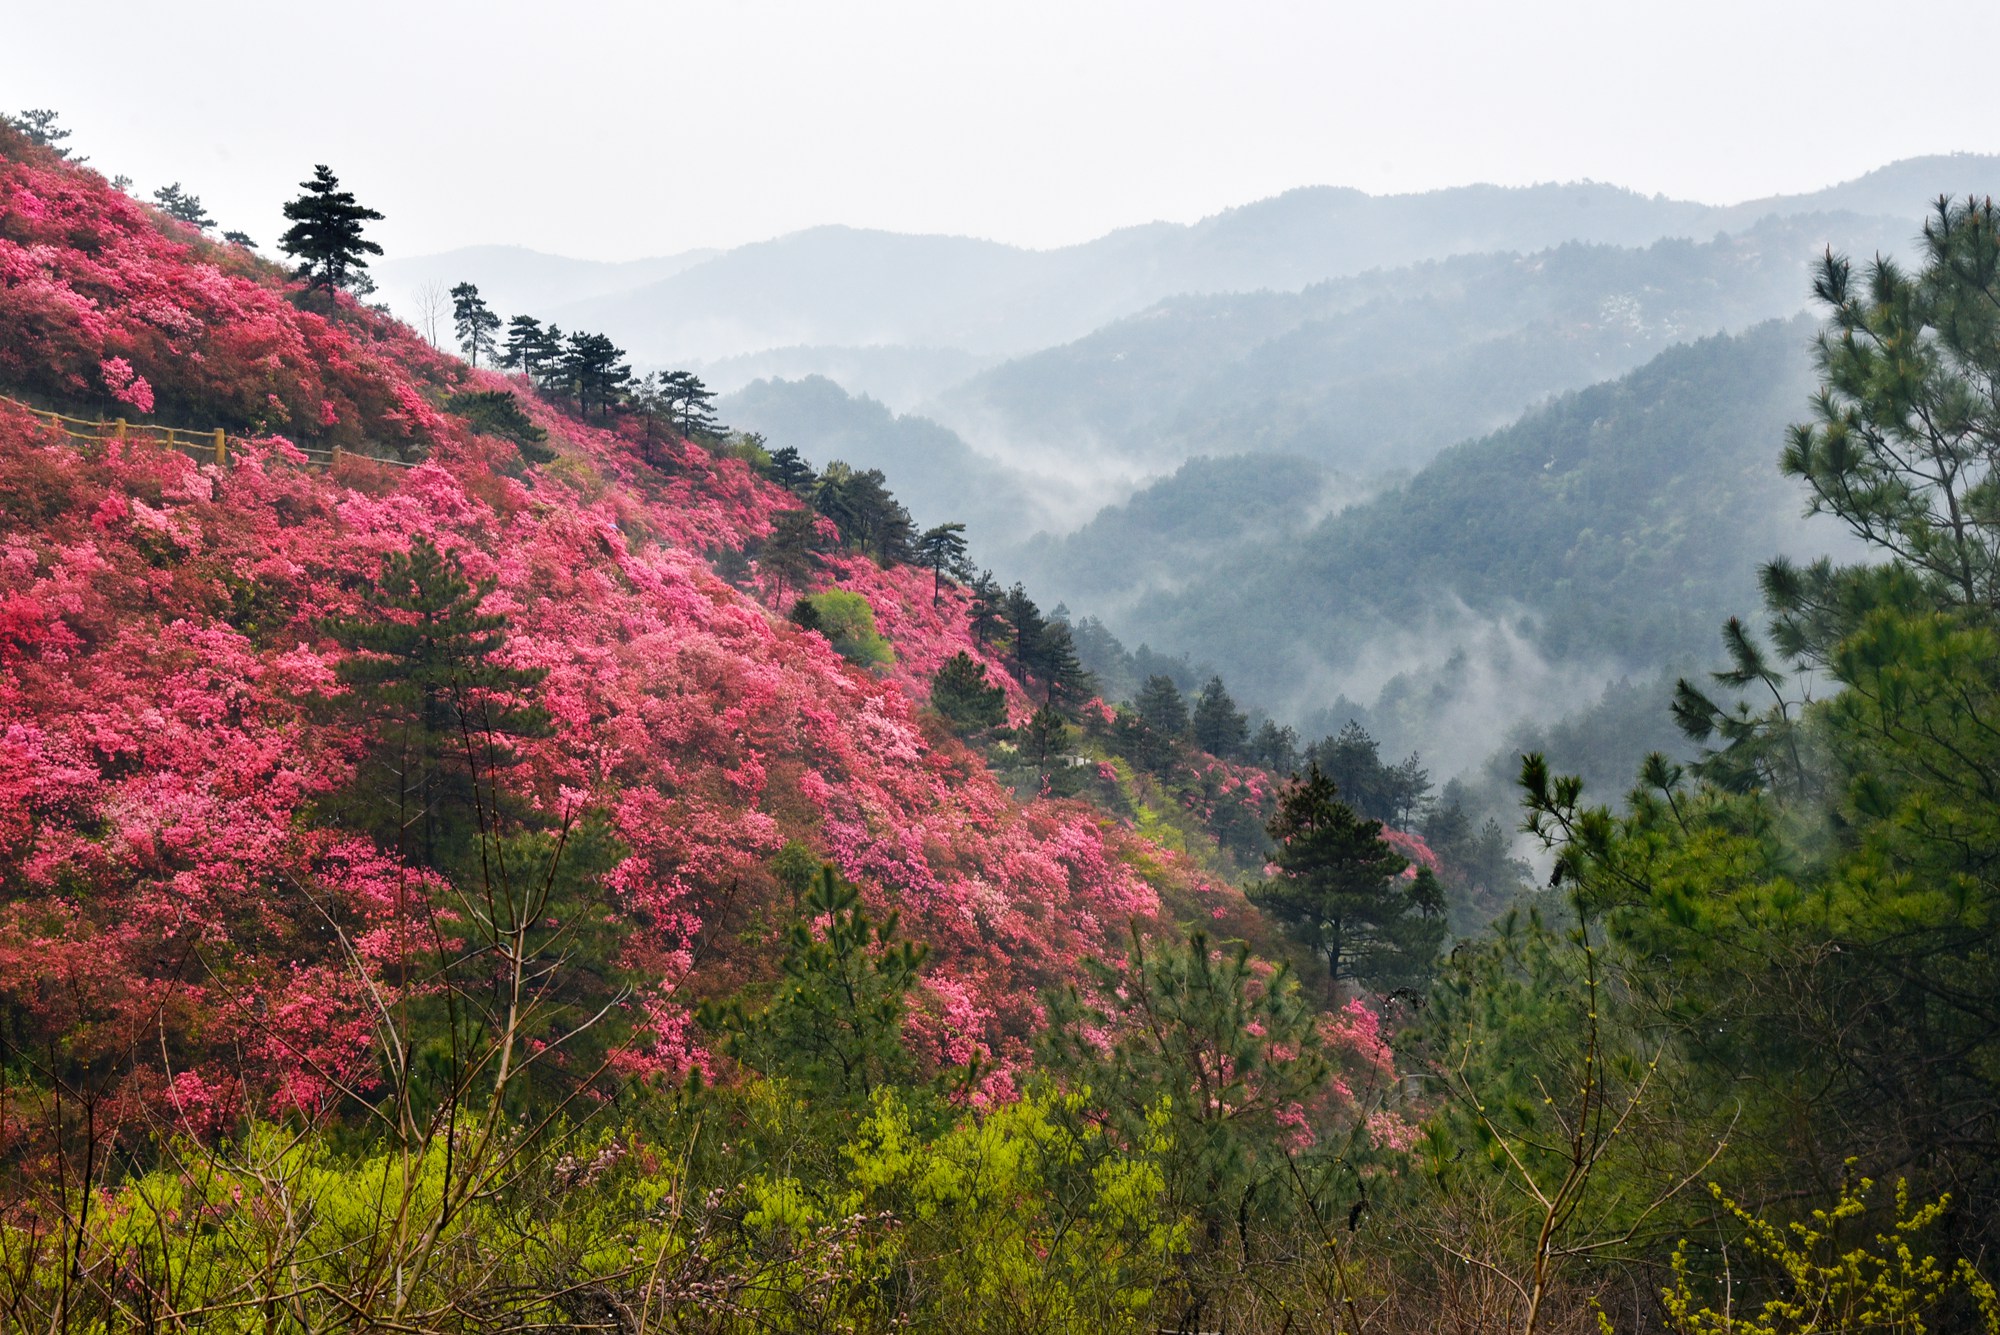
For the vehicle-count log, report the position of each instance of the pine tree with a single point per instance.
(790, 471)
(986, 613)
(544, 361)
(787, 558)
(1352, 759)
(1275, 747)
(964, 696)
(1219, 727)
(1227, 1050)
(868, 517)
(1161, 708)
(1025, 628)
(687, 405)
(425, 664)
(1047, 737)
(183, 206)
(1065, 681)
(526, 349)
(941, 548)
(39, 124)
(1159, 723)
(1408, 785)
(473, 321)
(1341, 891)
(1903, 447)
(805, 615)
(325, 235)
(593, 370)
(836, 1023)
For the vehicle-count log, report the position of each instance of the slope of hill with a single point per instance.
(187, 908)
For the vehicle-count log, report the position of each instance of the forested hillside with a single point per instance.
(1599, 536)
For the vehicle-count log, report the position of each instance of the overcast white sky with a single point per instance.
(614, 130)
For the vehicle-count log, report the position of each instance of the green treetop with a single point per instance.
(183, 206)
(325, 234)
(962, 693)
(473, 321)
(942, 549)
(1340, 889)
(1219, 727)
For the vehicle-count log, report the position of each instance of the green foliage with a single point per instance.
(495, 412)
(1560, 1140)
(1813, 899)
(1903, 442)
(1028, 1215)
(848, 623)
(805, 615)
(986, 612)
(473, 321)
(1818, 1281)
(1275, 747)
(942, 549)
(590, 369)
(961, 693)
(530, 348)
(684, 403)
(790, 471)
(796, 867)
(1212, 1056)
(426, 651)
(325, 235)
(787, 558)
(835, 1025)
(1219, 727)
(38, 124)
(1482, 875)
(1353, 761)
(1340, 889)
(1160, 707)
(868, 517)
(1048, 738)
(183, 206)
(425, 666)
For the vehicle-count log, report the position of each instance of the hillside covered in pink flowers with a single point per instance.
(186, 907)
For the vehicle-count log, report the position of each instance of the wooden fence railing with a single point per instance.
(206, 445)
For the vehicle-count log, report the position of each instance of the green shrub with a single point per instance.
(848, 623)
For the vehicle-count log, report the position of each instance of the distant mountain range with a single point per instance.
(837, 287)
(1361, 377)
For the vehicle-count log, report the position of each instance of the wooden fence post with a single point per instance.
(221, 449)
(121, 428)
